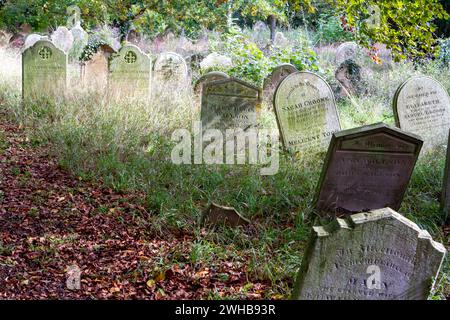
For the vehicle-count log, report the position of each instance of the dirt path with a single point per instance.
(49, 221)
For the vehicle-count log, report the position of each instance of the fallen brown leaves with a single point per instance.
(49, 220)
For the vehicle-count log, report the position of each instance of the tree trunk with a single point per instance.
(272, 21)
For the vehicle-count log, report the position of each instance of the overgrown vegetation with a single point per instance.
(127, 147)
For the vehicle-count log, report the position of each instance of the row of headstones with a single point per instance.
(127, 73)
(368, 251)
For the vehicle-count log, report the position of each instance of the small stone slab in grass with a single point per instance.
(220, 215)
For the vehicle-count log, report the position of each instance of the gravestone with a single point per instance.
(31, 39)
(349, 75)
(229, 104)
(129, 74)
(17, 40)
(62, 38)
(422, 106)
(4, 39)
(44, 70)
(445, 201)
(260, 26)
(376, 255)
(214, 60)
(273, 80)
(210, 76)
(280, 40)
(306, 112)
(94, 72)
(78, 33)
(170, 67)
(366, 168)
(346, 51)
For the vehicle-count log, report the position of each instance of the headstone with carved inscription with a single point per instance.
(44, 70)
(129, 74)
(306, 112)
(230, 104)
(366, 168)
(273, 80)
(375, 255)
(170, 67)
(422, 106)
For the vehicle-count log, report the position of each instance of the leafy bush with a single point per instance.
(444, 53)
(329, 30)
(251, 64)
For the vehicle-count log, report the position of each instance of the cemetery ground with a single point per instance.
(91, 183)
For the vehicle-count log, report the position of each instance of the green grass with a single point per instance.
(127, 146)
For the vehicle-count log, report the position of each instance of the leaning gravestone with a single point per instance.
(229, 104)
(445, 201)
(273, 80)
(422, 106)
(349, 75)
(376, 255)
(44, 70)
(170, 67)
(210, 76)
(366, 168)
(306, 112)
(129, 74)
(346, 51)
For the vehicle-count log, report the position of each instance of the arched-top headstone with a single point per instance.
(375, 255)
(31, 39)
(62, 38)
(210, 76)
(366, 168)
(230, 104)
(44, 70)
(274, 78)
(306, 112)
(129, 73)
(170, 67)
(422, 106)
(346, 51)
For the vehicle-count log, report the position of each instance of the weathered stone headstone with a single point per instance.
(94, 72)
(44, 71)
(170, 67)
(210, 76)
(78, 33)
(260, 26)
(376, 255)
(280, 40)
(274, 78)
(445, 201)
(229, 104)
(31, 39)
(366, 168)
(129, 74)
(215, 60)
(349, 75)
(422, 106)
(62, 38)
(17, 40)
(4, 38)
(346, 51)
(306, 112)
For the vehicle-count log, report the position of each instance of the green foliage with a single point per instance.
(252, 65)
(444, 53)
(329, 30)
(406, 27)
(91, 48)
